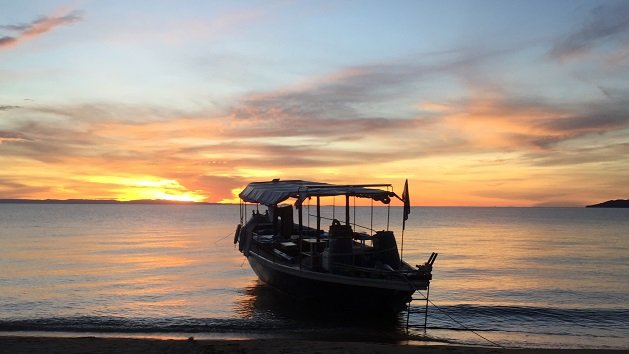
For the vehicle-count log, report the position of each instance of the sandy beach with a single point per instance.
(19, 345)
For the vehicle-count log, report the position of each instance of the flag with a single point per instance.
(407, 204)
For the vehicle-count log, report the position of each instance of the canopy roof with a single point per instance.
(276, 191)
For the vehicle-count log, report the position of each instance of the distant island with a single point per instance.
(100, 201)
(618, 203)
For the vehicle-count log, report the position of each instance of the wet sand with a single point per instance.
(19, 345)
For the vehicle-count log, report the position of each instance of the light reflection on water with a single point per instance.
(501, 270)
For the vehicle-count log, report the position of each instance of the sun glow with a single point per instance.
(152, 188)
(235, 198)
(186, 197)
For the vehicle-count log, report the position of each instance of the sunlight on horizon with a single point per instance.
(148, 188)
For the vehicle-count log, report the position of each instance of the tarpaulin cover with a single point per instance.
(276, 191)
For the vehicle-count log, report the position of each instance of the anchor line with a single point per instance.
(461, 324)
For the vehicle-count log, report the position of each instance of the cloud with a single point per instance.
(336, 95)
(352, 102)
(36, 28)
(604, 24)
(222, 186)
(382, 90)
(7, 41)
(358, 119)
(606, 153)
(7, 136)
(201, 150)
(10, 189)
(598, 121)
(8, 107)
(361, 104)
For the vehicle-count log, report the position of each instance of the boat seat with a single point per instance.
(289, 248)
(282, 255)
(312, 246)
(263, 238)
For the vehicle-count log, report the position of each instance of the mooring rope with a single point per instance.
(224, 237)
(459, 323)
(440, 309)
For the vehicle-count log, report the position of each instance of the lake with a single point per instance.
(519, 277)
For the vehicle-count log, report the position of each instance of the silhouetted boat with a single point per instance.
(339, 266)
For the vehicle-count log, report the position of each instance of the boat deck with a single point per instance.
(311, 254)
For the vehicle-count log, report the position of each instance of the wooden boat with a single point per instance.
(339, 265)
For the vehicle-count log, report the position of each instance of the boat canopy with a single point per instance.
(276, 191)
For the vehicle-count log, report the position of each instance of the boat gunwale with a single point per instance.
(389, 283)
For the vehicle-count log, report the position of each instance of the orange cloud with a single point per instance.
(486, 147)
(36, 28)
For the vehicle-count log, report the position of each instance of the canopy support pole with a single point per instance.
(318, 216)
(347, 209)
(301, 220)
(371, 218)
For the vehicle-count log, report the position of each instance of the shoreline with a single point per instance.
(18, 344)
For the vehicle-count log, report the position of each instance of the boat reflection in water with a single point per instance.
(283, 315)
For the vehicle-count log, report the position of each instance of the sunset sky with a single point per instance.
(489, 103)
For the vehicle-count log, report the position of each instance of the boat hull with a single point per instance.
(332, 291)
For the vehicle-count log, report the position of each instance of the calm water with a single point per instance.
(543, 277)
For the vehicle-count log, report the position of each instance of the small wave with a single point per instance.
(284, 327)
(528, 319)
(138, 325)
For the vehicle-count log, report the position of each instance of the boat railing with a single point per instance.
(353, 224)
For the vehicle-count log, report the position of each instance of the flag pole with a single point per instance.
(402, 248)
(407, 210)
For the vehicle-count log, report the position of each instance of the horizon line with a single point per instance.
(178, 202)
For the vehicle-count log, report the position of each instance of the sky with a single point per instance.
(477, 103)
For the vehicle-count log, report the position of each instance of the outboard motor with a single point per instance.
(385, 249)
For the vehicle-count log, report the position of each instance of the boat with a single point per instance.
(338, 264)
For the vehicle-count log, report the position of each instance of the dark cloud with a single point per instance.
(605, 23)
(271, 156)
(8, 107)
(19, 28)
(540, 123)
(327, 129)
(590, 118)
(37, 27)
(7, 41)
(611, 153)
(11, 189)
(354, 103)
(9, 135)
(110, 112)
(340, 97)
(44, 23)
(48, 142)
(518, 194)
(597, 122)
(357, 92)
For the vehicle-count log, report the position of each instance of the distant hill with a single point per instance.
(618, 203)
(100, 201)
